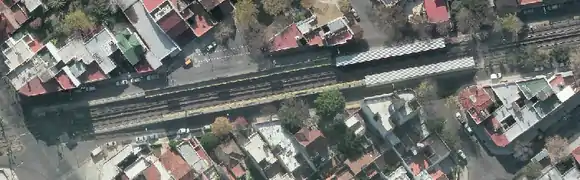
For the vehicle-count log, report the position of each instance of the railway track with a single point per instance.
(208, 99)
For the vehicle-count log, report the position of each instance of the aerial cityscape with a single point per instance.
(290, 89)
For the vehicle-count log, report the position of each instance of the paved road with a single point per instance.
(372, 34)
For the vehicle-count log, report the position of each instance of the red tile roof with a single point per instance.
(33, 87)
(558, 79)
(203, 23)
(229, 176)
(238, 171)
(93, 73)
(151, 173)
(498, 139)
(286, 39)
(576, 154)
(143, 67)
(526, 2)
(210, 4)
(475, 98)
(150, 5)
(176, 166)
(436, 11)
(169, 21)
(20, 16)
(315, 40)
(306, 136)
(240, 120)
(64, 81)
(357, 165)
(35, 45)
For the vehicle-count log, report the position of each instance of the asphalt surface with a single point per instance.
(372, 34)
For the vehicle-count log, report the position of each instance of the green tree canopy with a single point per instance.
(511, 23)
(275, 7)
(102, 10)
(560, 54)
(209, 141)
(77, 21)
(328, 104)
(245, 14)
(294, 114)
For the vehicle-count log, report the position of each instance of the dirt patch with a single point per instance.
(325, 11)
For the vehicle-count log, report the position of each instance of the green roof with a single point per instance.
(130, 46)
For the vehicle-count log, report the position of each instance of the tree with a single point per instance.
(350, 145)
(532, 170)
(465, 21)
(344, 6)
(209, 141)
(221, 126)
(275, 7)
(560, 54)
(511, 23)
(451, 102)
(245, 13)
(391, 20)
(77, 21)
(557, 148)
(423, 30)
(56, 4)
(523, 151)
(223, 32)
(173, 144)
(102, 10)
(443, 28)
(435, 125)
(329, 103)
(426, 91)
(294, 114)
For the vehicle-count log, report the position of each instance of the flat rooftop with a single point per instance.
(276, 137)
(256, 147)
(159, 44)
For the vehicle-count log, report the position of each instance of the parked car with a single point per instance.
(467, 129)
(111, 144)
(211, 46)
(134, 80)
(461, 155)
(141, 139)
(183, 131)
(356, 16)
(206, 127)
(122, 82)
(152, 77)
(153, 137)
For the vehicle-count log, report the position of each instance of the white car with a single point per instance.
(183, 131)
(123, 82)
(461, 155)
(136, 80)
(206, 127)
(211, 46)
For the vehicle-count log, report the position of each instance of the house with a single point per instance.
(158, 45)
(383, 113)
(507, 110)
(177, 167)
(284, 148)
(436, 11)
(232, 158)
(197, 18)
(263, 158)
(568, 169)
(196, 157)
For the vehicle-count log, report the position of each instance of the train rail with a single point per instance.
(232, 94)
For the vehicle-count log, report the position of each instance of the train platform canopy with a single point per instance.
(421, 71)
(386, 52)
